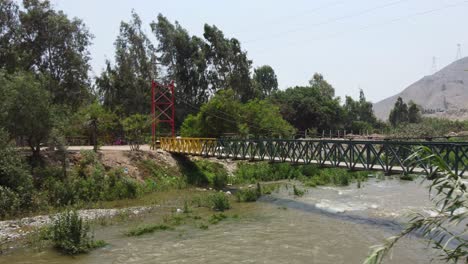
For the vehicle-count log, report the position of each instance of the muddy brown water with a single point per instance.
(326, 225)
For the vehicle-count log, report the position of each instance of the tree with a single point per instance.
(29, 113)
(310, 106)
(97, 120)
(265, 81)
(14, 173)
(414, 113)
(125, 87)
(9, 35)
(225, 114)
(183, 57)
(228, 65)
(359, 115)
(399, 113)
(322, 85)
(57, 47)
(136, 127)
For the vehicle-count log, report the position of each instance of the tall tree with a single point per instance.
(265, 81)
(29, 114)
(57, 47)
(399, 113)
(183, 58)
(9, 34)
(126, 86)
(414, 113)
(228, 65)
(322, 85)
(311, 106)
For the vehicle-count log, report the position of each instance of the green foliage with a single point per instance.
(248, 195)
(216, 218)
(429, 127)
(224, 113)
(136, 127)
(401, 113)
(88, 182)
(159, 177)
(215, 173)
(141, 230)
(126, 86)
(15, 179)
(58, 48)
(307, 105)
(446, 230)
(28, 109)
(9, 202)
(265, 81)
(97, 121)
(70, 234)
(262, 171)
(297, 191)
(219, 201)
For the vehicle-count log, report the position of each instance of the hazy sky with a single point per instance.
(381, 46)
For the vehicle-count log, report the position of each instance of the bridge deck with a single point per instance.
(388, 156)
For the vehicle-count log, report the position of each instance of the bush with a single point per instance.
(141, 230)
(262, 171)
(297, 191)
(70, 234)
(248, 195)
(215, 173)
(219, 202)
(9, 202)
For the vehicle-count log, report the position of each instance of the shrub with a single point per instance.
(70, 234)
(216, 218)
(219, 202)
(248, 195)
(297, 191)
(9, 202)
(214, 173)
(141, 230)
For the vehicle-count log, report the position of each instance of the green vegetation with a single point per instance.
(216, 218)
(134, 127)
(70, 234)
(248, 195)
(402, 113)
(297, 191)
(141, 230)
(446, 230)
(219, 202)
(225, 113)
(311, 175)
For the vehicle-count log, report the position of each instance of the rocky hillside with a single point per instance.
(443, 94)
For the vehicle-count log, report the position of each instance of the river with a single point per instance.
(326, 225)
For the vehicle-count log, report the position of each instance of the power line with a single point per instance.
(278, 20)
(391, 21)
(329, 21)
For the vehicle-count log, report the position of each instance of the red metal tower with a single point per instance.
(162, 107)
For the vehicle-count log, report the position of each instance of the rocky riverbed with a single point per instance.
(11, 230)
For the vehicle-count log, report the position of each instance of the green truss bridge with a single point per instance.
(388, 156)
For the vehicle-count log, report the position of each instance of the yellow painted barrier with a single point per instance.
(193, 146)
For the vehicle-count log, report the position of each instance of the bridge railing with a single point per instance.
(192, 146)
(369, 155)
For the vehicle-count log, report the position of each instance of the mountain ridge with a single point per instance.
(442, 94)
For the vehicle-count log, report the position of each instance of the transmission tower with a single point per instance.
(434, 65)
(459, 55)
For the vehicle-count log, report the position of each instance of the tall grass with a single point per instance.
(70, 234)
